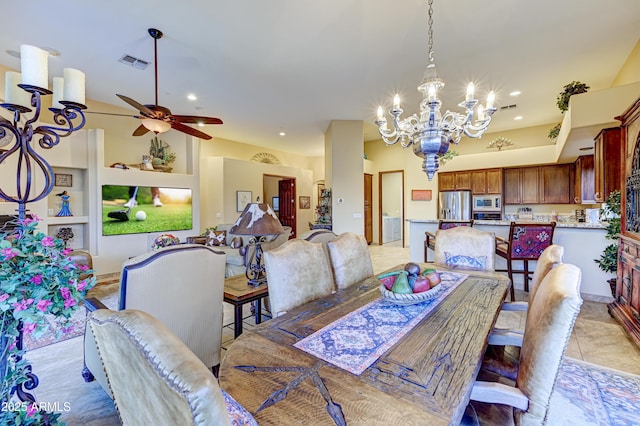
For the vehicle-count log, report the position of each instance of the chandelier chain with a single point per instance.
(430, 31)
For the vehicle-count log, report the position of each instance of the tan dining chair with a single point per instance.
(154, 377)
(430, 237)
(465, 247)
(350, 259)
(297, 272)
(550, 319)
(549, 259)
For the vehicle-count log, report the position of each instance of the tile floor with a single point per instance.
(597, 338)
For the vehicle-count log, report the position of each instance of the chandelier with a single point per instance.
(431, 132)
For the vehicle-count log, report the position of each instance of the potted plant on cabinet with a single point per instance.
(608, 260)
(562, 101)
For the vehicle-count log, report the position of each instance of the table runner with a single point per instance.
(357, 340)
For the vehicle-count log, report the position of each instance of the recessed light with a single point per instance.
(282, 133)
(200, 124)
(192, 97)
(515, 93)
(518, 117)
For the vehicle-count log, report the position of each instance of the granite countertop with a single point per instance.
(569, 224)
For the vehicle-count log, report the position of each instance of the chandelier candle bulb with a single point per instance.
(470, 90)
(73, 90)
(396, 102)
(58, 93)
(380, 113)
(491, 97)
(34, 66)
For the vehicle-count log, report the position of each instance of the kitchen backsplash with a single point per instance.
(544, 212)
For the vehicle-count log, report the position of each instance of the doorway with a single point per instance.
(391, 207)
(280, 193)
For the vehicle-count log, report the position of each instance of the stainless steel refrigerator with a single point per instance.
(454, 205)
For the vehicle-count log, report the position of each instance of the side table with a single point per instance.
(237, 292)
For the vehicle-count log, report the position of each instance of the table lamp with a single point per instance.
(258, 220)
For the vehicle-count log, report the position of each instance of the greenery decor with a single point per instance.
(159, 150)
(38, 281)
(570, 89)
(555, 131)
(608, 260)
(450, 154)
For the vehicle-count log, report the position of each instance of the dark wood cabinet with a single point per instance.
(607, 163)
(626, 305)
(521, 185)
(556, 184)
(454, 181)
(512, 186)
(487, 181)
(584, 185)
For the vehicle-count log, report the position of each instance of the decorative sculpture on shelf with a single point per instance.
(64, 210)
(499, 143)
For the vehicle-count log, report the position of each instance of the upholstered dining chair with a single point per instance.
(526, 242)
(183, 287)
(153, 376)
(464, 247)
(550, 258)
(350, 259)
(297, 272)
(550, 319)
(430, 237)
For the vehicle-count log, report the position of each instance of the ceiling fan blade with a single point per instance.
(194, 119)
(141, 130)
(110, 113)
(143, 109)
(190, 130)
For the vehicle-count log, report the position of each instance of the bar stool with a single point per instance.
(526, 242)
(430, 237)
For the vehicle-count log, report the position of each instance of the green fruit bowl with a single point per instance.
(410, 298)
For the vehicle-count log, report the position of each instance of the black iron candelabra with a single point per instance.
(29, 163)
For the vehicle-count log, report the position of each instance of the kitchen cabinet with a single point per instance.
(584, 185)
(607, 162)
(521, 185)
(556, 184)
(487, 181)
(454, 181)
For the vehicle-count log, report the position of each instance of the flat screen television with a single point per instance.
(121, 217)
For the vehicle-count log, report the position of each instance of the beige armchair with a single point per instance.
(298, 272)
(154, 378)
(183, 287)
(551, 316)
(350, 259)
(465, 248)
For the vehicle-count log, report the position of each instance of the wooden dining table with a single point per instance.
(424, 379)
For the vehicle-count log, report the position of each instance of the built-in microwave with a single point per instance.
(487, 203)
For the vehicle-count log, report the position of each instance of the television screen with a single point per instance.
(140, 209)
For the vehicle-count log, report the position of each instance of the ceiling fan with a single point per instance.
(158, 119)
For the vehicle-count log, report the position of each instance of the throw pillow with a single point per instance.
(467, 262)
(216, 238)
(236, 242)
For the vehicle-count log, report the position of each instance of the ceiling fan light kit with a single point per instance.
(158, 119)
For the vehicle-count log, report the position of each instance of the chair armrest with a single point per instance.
(498, 393)
(92, 304)
(515, 306)
(501, 240)
(503, 337)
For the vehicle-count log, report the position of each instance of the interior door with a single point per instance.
(287, 196)
(368, 211)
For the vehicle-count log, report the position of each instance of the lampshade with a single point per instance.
(156, 126)
(257, 219)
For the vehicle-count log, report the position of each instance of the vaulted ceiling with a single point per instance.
(292, 66)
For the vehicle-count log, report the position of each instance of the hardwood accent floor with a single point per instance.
(597, 338)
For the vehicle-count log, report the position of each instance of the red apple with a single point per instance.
(421, 284)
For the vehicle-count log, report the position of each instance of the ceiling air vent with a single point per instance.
(134, 62)
(512, 106)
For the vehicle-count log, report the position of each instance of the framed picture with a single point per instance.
(305, 202)
(242, 199)
(275, 203)
(421, 194)
(63, 180)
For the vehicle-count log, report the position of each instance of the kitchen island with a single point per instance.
(582, 242)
